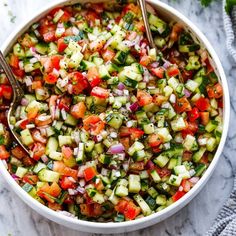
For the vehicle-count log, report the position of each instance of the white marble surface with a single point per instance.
(17, 219)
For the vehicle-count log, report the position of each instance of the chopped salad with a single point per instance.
(116, 130)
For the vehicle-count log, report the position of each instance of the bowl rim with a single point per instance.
(62, 219)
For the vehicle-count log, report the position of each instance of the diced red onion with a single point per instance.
(82, 183)
(81, 171)
(24, 102)
(181, 188)
(33, 49)
(121, 156)
(72, 191)
(33, 60)
(194, 180)
(75, 30)
(28, 81)
(109, 41)
(15, 177)
(55, 72)
(121, 86)
(150, 165)
(71, 179)
(70, 88)
(134, 107)
(117, 148)
(155, 64)
(166, 64)
(44, 158)
(80, 190)
(187, 93)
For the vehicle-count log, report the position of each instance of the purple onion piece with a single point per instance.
(134, 107)
(24, 102)
(115, 149)
(155, 64)
(166, 64)
(121, 86)
(187, 93)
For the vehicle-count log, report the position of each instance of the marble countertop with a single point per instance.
(17, 219)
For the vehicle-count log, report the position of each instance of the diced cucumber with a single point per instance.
(38, 167)
(21, 171)
(64, 140)
(190, 143)
(155, 176)
(143, 205)
(199, 154)
(89, 145)
(41, 48)
(51, 146)
(26, 137)
(182, 172)
(175, 180)
(114, 120)
(191, 85)
(139, 155)
(48, 175)
(152, 192)
(80, 154)
(200, 169)
(178, 124)
(148, 128)
(161, 200)
(103, 72)
(57, 156)
(121, 191)
(161, 160)
(211, 144)
(134, 183)
(70, 120)
(211, 126)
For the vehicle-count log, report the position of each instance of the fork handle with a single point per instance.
(146, 23)
(17, 89)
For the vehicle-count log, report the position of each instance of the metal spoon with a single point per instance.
(146, 23)
(18, 94)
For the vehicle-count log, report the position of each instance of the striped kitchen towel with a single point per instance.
(225, 223)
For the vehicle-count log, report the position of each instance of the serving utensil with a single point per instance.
(142, 5)
(18, 94)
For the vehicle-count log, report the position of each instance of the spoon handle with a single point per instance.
(146, 23)
(17, 90)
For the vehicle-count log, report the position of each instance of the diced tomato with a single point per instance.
(36, 84)
(158, 99)
(182, 105)
(14, 61)
(128, 208)
(163, 172)
(187, 156)
(193, 114)
(125, 142)
(78, 110)
(79, 82)
(24, 123)
(100, 92)
(91, 16)
(65, 103)
(187, 74)
(47, 31)
(90, 120)
(99, 185)
(50, 78)
(220, 103)
(27, 41)
(38, 150)
(159, 72)
(6, 91)
(205, 117)
(209, 66)
(154, 140)
(65, 17)
(134, 133)
(178, 195)
(62, 169)
(90, 173)
(172, 71)
(55, 190)
(202, 104)
(31, 179)
(32, 114)
(145, 60)
(18, 72)
(144, 98)
(28, 161)
(204, 159)
(18, 152)
(191, 129)
(41, 120)
(55, 206)
(61, 45)
(49, 192)
(215, 91)
(93, 76)
(38, 137)
(66, 152)
(4, 154)
(108, 55)
(186, 185)
(140, 26)
(137, 166)
(66, 183)
(91, 210)
(55, 59)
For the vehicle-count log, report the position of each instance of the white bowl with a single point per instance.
(168, 13)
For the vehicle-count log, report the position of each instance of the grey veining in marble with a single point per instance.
(18, 219)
